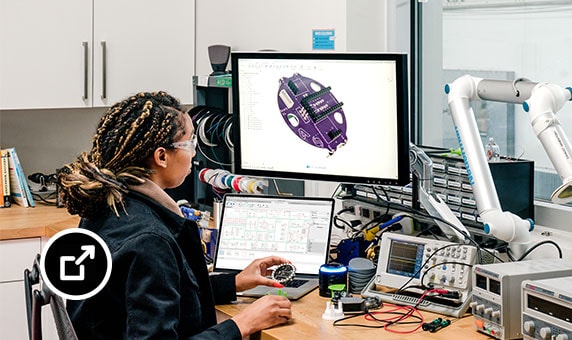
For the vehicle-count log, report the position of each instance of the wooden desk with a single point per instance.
(18, 222)
(307, 323)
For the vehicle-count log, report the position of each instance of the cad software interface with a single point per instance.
(254, 227)
(333, 117)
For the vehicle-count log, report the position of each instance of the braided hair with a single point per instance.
(126, 137)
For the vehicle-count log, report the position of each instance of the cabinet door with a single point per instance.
(42, 58)
(149, 46)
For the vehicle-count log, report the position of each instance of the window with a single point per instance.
(503, 39)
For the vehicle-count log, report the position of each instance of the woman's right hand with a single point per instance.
(267, 311)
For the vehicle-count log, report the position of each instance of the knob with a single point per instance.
(480, 308)
(495, 314)
(545, 333)
(529, 326)
(473, 304)
(488, 310)
(562, 337)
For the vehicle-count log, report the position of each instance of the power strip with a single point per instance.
(366, 212)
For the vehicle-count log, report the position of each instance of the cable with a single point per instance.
(440, 264)
(210, 159)
(336, 190)
(423, 265)
(410, 312)
(228, 133)
(337, 218)
(531, 249)
(462, 232)
(213, 133)
(379, 197)
(426, 215)
(49, 198)
(398, 321)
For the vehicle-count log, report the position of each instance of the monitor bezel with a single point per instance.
(402, 81)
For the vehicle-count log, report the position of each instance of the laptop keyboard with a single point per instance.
(295, 283)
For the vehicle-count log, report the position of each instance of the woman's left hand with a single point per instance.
(257, 272)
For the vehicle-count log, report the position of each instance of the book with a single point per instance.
(19, 189)
(5, 179)
(1, 183)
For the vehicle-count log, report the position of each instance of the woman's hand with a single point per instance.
(268, 311)
(255, 274)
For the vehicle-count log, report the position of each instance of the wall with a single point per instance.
(250, 25)
(46, 139)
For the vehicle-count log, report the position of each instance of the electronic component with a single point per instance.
(312, 112)
(547, 309)
(496, 304)
(435, 325)
(352, 304)
(284, 272)
(415, 261)
(332, 274)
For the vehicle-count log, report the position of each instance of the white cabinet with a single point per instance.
(149, 47)
(41, 53)
(15, 256)
(91, 53)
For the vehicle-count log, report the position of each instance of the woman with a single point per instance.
(159, 285)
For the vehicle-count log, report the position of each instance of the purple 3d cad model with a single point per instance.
(312, 112)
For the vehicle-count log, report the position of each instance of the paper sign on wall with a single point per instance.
(323, 39)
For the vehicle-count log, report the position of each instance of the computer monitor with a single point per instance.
(321, 116)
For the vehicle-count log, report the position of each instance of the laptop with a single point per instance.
(295, 228)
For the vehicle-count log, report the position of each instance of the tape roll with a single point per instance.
(236, 183)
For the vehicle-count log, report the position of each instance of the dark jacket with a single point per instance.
(159, 286)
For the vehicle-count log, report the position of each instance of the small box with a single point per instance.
(352, 304)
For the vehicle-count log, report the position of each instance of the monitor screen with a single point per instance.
(321, 116)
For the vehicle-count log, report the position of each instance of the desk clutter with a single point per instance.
(223, 181)
(17, 188)
(415, 268)
(529, 299)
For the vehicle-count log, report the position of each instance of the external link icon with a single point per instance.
(89, 251)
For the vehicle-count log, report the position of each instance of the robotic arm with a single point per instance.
(422, 167)
(541, 101)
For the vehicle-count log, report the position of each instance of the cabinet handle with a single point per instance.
(103, 70)
(85, 69)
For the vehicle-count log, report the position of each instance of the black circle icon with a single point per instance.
(76, 264)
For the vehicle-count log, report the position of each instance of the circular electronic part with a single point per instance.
(284, 273)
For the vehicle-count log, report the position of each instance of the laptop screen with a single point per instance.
(295, 228)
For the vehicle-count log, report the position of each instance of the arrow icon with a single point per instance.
(89, 250)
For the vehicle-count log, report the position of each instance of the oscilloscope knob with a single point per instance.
(545, 333)
(529, 326)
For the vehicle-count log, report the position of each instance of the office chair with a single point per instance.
(38, 295)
